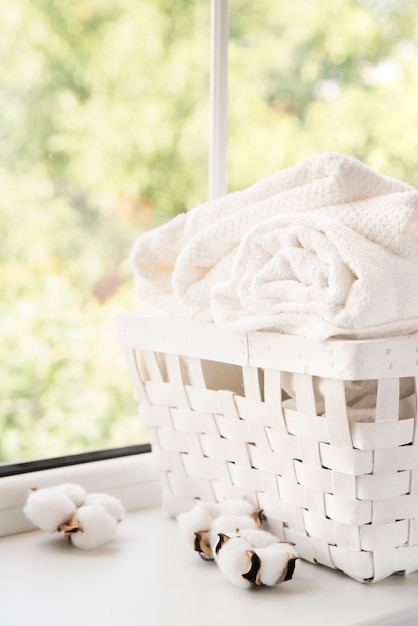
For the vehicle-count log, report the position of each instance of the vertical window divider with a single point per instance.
(218, 138)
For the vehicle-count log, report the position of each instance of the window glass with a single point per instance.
(103, 128)
(309, 76)
(103, 134)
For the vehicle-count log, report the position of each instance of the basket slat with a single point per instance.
(321, 435)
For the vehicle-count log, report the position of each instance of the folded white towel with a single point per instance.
(176, 265)
(326, 247)
(208, 258)
(310, 275)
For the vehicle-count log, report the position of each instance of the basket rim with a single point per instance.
(344, 359)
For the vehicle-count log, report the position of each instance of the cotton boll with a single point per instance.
(200, 526)
(76, 493)
(112, 505)
(213, 509)
(233, 523)
(234, 559)
(48, 508)
(194, 527)
(236, 507)
(257, 537)
(277, 564)
(96, 527)
(226, 507)
(227, 524)
(191, 522)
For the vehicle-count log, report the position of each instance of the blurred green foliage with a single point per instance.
(101, 103)
(103, 134)
(310, 76)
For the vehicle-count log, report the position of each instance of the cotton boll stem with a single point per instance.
(202, 545)
(72, 526)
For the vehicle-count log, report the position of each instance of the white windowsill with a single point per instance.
(146, 575)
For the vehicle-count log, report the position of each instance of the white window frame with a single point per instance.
(218, 138)
(133, 478)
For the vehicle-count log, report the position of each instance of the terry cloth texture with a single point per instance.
(324, 248)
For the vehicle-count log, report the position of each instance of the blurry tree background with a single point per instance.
(103, 134)
(103, 109)
(310, 75)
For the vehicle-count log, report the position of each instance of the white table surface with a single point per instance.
(146, 575)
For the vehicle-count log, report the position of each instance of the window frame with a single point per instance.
(11, 469)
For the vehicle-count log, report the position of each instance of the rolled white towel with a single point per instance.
(309, 275)
(390, 220)
(176, 265)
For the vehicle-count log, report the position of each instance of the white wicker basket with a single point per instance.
(265, 416)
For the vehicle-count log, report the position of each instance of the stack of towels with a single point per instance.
(325, 248)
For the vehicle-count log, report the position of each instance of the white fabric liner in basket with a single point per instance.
(321, 435)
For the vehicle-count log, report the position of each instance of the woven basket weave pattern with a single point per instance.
(344, 491)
